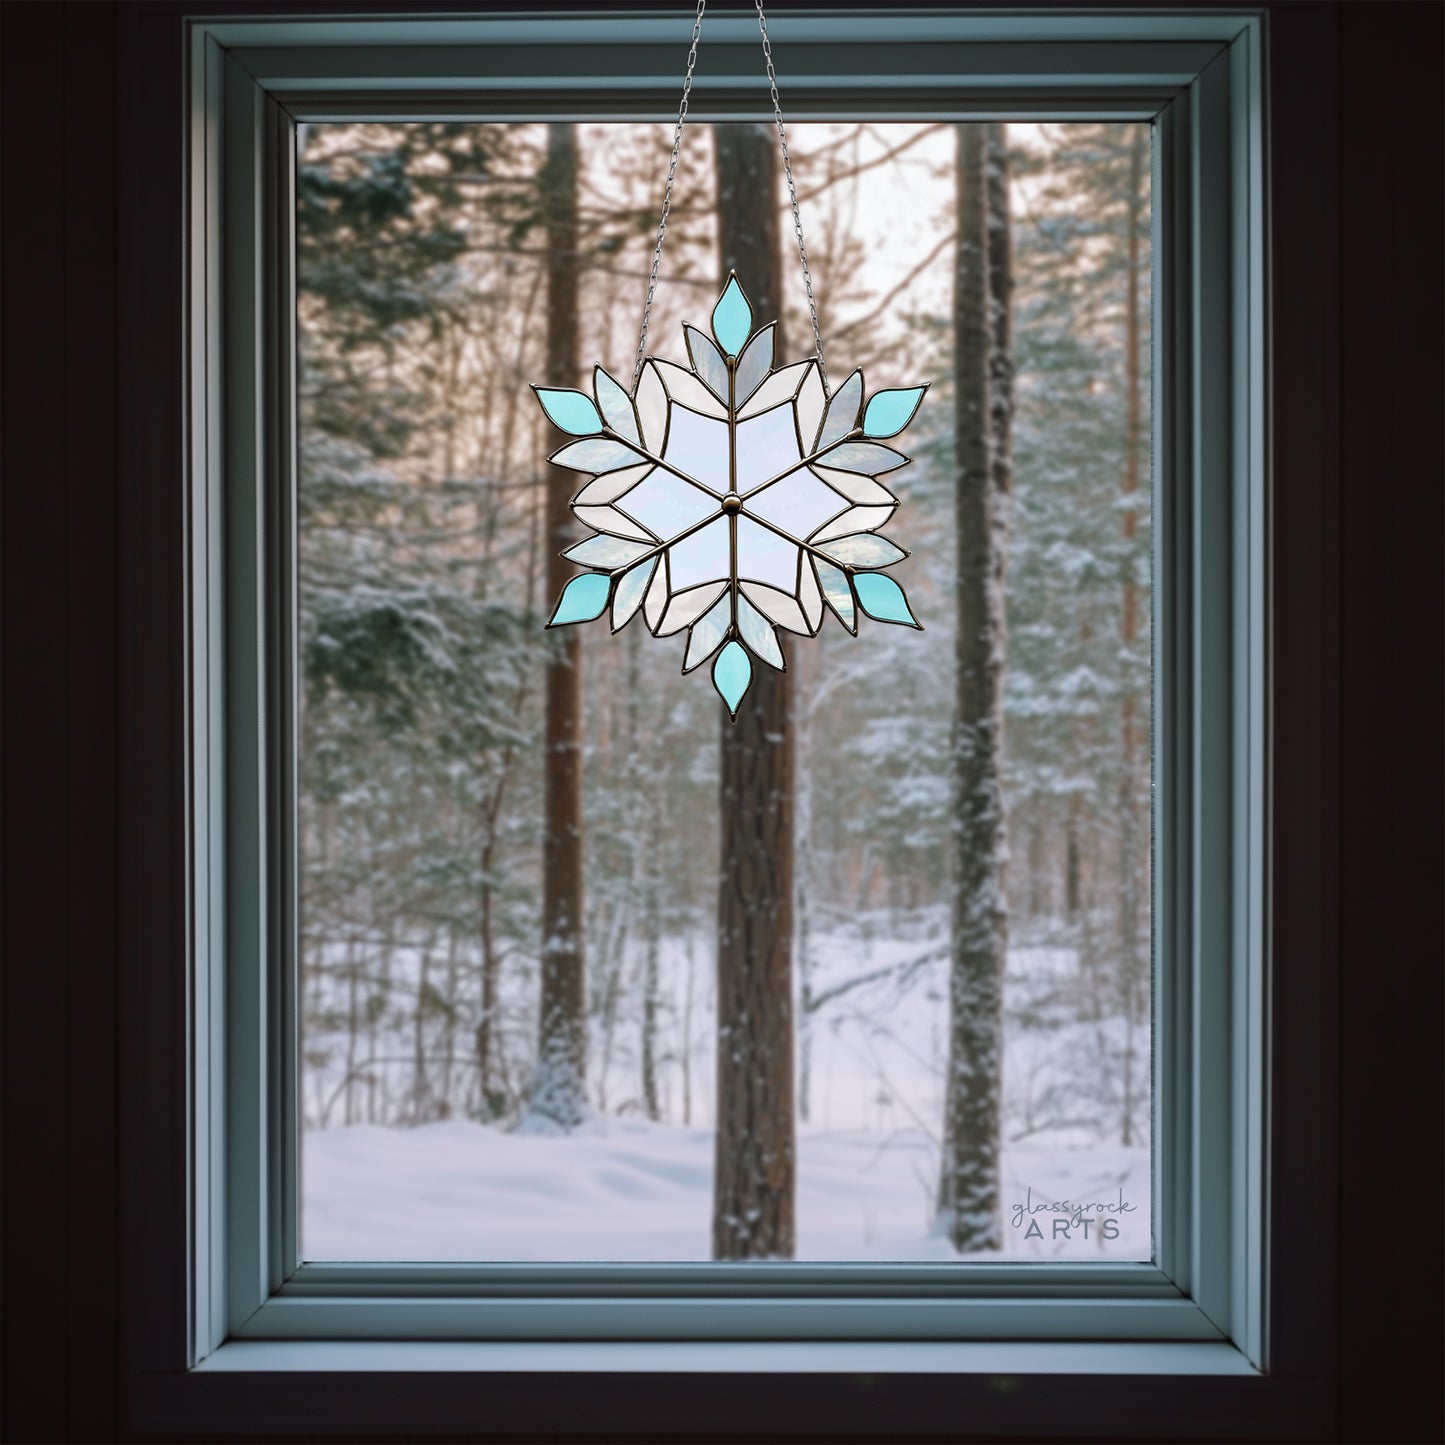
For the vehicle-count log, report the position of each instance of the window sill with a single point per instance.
(838, 1357)
(663, 1390)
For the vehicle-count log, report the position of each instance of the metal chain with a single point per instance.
(792, 193)
(667, 192)
(672, 176)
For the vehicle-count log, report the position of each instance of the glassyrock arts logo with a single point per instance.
(1069, 1219)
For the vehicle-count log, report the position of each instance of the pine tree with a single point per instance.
(1078, 681)
(1132, 826)
(409, 669)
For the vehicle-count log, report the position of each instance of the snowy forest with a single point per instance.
(588, 971)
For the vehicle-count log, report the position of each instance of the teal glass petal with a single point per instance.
(615, 405)
(867, 458)
(863, 549)
(573, 411)
(631, 589)
(882, 599)
(582, 599)
(732, 318)
(758, 633)
(888, 412)
(731, 674)
(596, 455)
(605, 551)
(834, 582)
(707, 632)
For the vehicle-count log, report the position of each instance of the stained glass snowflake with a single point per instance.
(732, 498)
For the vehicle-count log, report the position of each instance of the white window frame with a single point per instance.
(1200, 1310)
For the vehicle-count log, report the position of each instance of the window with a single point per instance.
(1195, 82)
(423, 544)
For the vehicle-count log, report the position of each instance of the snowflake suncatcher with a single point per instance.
(732, 498)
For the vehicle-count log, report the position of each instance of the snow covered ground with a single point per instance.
(625, 1189)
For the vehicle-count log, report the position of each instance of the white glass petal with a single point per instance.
(856, 487)
(708, 632)
(855, 519)
(767, 446)
(665, 504)
(812, 401)
(839, 594)
(610, 486)
(698, 446)
(708, 362)
(870, 458)
(652, 409)
(798, 503)
(609, 519)
(864, 549)
(754, 364)
(779, 607)
(615, 405)
(706, 556)
(595, 455)
(810, 599)
(628, 595)
(766, 557)
(781, 386)
(758, 633)
(683, 387)
(656, 599)
(843, 409)
(684, 608)
(605, 551)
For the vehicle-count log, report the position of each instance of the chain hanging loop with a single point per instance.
(672, 176)
(667, 191)
(792, 193)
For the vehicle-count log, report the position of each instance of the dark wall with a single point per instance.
(84, 721)
(58, 720)
(1391, 737)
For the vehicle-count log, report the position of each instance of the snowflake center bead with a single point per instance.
(732, 498)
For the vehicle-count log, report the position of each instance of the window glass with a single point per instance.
(449, 886)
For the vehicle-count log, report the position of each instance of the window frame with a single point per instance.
(1202, 1313)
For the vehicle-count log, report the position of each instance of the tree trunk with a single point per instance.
(492, 1086)
(557, 1090)
(753, 1180)
(1036, 895)
(449, 1036)
(649, 857)
(651, 985)
(353, 1025)
(685, 1053)
(1073, 885)
(489, 1102)
(420, 1088)
(803, 704)
(968, 1193)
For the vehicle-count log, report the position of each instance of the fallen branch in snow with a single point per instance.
(904, 971)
